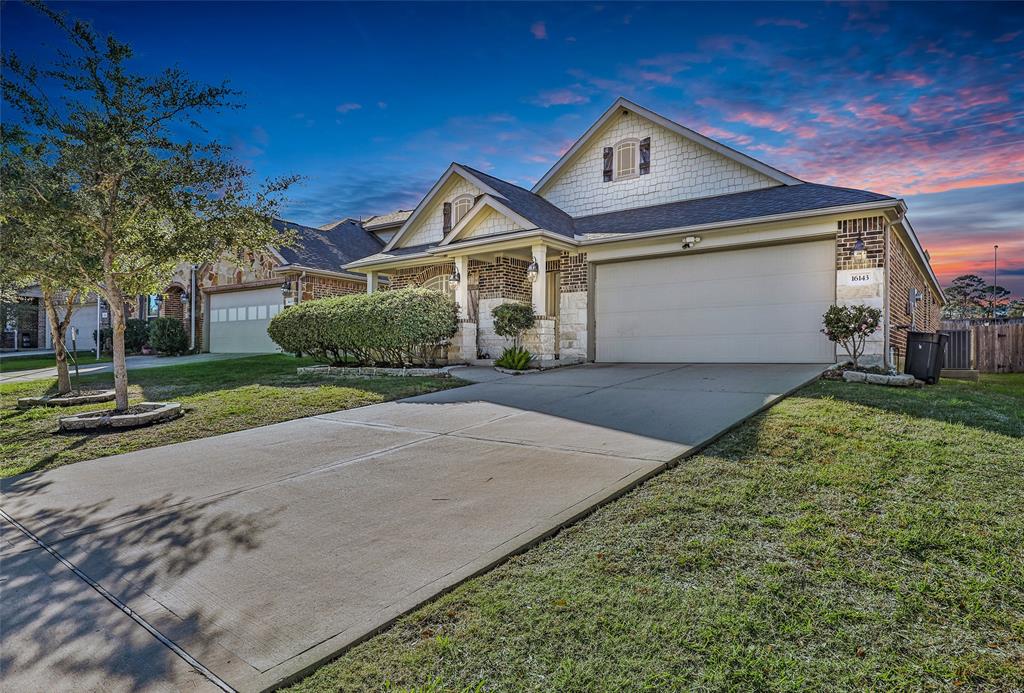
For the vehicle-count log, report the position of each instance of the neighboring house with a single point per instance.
(649, 242)
(233, 300)
(27, 328)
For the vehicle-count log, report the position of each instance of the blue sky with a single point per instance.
(370, 102)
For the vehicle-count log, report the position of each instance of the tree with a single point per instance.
(31, 253)
(996, 296)
(850, 326)
(965, 297)
(511, 320)
(1015, 309)
(142, 185)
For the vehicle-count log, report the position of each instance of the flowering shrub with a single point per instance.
(385, 328)
(850, 326)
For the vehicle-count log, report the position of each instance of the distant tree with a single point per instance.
(996, 296)
(965, 298)
(1015, 308)
(141, 185)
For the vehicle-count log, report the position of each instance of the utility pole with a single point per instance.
(995, 277)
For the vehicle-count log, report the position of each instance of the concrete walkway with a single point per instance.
(263, 552)
(132, 362)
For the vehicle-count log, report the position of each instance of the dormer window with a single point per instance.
(627, 158)
(461, 205)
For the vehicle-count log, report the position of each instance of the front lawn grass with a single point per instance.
(218, 397)
(14, 364)
(852, 537)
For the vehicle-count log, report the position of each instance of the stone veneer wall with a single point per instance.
(862, 281)
(572, 327)
(903, 276)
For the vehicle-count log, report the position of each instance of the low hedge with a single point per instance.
(385, 328)
(167, 336)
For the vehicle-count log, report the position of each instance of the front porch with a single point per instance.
(482, 276)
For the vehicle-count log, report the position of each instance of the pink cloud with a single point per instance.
(347, 107)
(539, 30)
(781, 21)
(1009, 36)
(915, 79)
(560, 97)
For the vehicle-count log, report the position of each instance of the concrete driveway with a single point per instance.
(261, 553)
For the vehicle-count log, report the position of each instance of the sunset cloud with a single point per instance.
(347, 107)
(560, 97)
(539, 30)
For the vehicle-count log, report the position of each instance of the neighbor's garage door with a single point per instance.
(239, 319)
(760, 305)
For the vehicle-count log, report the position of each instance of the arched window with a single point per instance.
(439, 283)
(460, 205)
(626, 158)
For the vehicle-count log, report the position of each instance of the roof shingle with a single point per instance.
(330, 249)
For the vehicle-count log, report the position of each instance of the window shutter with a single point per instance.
(645, 155)
(447, 217)
(607, 163)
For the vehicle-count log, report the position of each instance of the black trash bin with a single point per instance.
(924, 355)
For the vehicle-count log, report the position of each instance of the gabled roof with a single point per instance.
(753, 204)
(330, 249)
(379, 221)
(542, 213)
(623, 103)
(453, 169)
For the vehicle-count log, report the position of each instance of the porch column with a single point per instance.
(540, 286)
(462, 290)
(371, 281)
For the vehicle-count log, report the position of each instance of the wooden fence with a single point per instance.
(999, 348)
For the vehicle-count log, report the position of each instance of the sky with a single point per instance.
(371, 102)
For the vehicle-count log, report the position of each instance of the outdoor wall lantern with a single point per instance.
(860, 252)
(453, 281)
(532, 270)
(286, 288)
(690, 241)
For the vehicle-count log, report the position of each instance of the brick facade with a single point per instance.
(904, 275)
(315, 286)
(417, 276)
(505, 278)
(872, 231)
(573, 271)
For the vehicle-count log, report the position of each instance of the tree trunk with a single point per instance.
(120, 369)
(58, 329)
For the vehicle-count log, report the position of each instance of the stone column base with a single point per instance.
(462, 348)
(540, 340)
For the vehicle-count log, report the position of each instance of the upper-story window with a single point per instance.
(460, 205)
(627, 158)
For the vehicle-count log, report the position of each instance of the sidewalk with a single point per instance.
(133, 363)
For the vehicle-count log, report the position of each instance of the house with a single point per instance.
(649, 242)
(226, 306)
(26, 327)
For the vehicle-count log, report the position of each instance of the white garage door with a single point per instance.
(760, 305)
(84, 319)
(238, 321)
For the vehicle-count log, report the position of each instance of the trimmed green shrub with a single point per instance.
(850, 326)
(511, 320)
(167, 336)
(385, 328)
(514, 358)
(136, 336)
